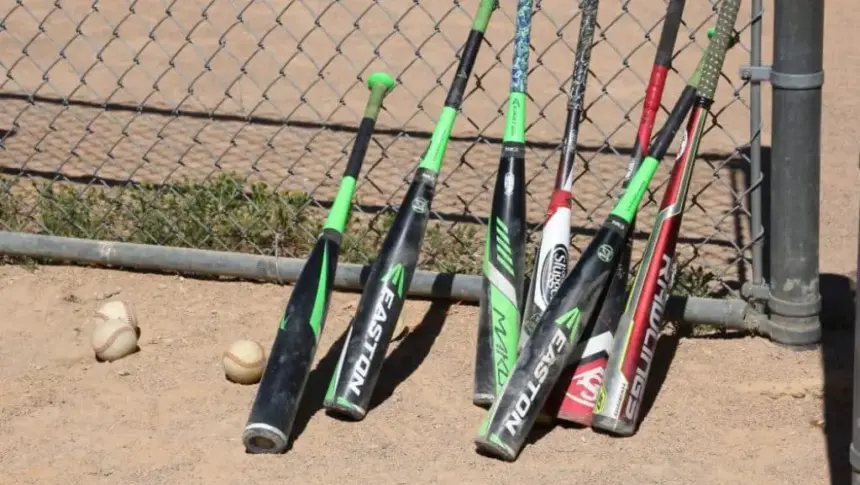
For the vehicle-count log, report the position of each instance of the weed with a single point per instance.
(225, 213)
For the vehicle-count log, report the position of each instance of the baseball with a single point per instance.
(244, 362)
(113, 339)
(119, 310)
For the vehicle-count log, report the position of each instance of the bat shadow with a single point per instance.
(664, 354)
(315, 389)
(405, 359)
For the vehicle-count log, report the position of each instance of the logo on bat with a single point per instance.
(605, 253)
(652, 333)
(524, 402)
(588, 385)
(509, 183)
(392, 289)
(420, 205)
(554, 271)
(600, 403)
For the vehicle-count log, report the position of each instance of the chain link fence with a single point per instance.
(225, 124)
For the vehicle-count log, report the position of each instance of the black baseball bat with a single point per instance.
(384, 293)
(504, 251)
(280, 391)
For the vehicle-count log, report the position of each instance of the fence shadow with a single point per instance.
(314, 125)
(837, 353)
(726, 242)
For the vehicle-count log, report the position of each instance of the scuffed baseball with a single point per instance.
(113, 339)
(244, 362)
(119, 310)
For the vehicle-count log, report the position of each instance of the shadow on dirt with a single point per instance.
(405, 359)
(315, 389)
(664, 355)
(837, 353)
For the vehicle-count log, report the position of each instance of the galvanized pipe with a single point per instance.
(425, 284)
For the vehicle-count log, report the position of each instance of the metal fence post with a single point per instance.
(797, 77)
(756, 290)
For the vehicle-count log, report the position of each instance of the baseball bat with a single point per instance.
(280, 391)
(551, 258)
(505, 240)
(541, 362)
(382, 300)
(620, 397)
(589, 357)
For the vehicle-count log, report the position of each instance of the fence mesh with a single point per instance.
(226, 124)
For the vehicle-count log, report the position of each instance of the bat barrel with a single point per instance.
(381, 303)
(542, 361)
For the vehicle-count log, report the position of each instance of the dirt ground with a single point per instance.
(729, 410)
(737, 410)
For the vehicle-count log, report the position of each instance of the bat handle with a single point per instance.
(733, 40)
(380, 85)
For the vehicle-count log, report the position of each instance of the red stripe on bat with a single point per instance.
(560, 200)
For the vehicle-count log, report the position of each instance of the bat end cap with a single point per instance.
(344, 410)
(380, 79)
(260, 438)
(612, 427)
(483, 400)
(487, 447)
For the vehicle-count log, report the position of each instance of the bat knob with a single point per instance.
(380, 79)
(263, 438)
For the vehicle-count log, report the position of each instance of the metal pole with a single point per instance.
(757, 228)
(794, 301)
(730, 314)
(854, 451)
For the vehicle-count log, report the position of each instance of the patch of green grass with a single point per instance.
(693, 281)
(226, 213)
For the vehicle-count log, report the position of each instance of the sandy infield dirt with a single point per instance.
(729, 410)
(737, 410)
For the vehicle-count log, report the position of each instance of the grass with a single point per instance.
(226, 214)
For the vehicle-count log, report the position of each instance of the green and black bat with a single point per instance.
(280, 390)
(504, 251)
(541, 362)
(384, 293)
